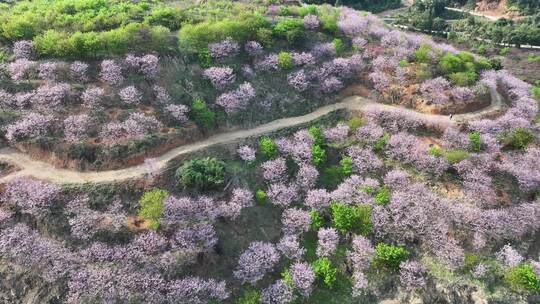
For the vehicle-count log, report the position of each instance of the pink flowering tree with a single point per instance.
(253, 48)
(328, 241)
(277, 293)
(23, 49)
(111, 73)
(92, 97)
(162, 96)
(298, 80)
(258, 259)
(311, 22)
(48, 71)
(246, 153)
(33, 125)
(51, 95)
(434, 90)
(303, 278)
(79, 71)
(32, 196)
(76, 127)
(178, 112)
(238, 99)
(223, 49)
(295, 221)
(317, 199)
(289, 246)
(130, 95)
(20, 69)
(220, 77)
(274, 170)
(282, 195)
(412, 275)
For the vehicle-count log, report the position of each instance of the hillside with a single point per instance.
(250, 152)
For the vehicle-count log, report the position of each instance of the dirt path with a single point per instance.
(46, 171)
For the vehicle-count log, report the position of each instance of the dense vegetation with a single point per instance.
(400, 201)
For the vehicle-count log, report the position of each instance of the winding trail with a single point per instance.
(45, 171)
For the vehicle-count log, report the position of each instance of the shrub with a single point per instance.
(202, 173)
(356, 219)
(194, 37)
(389, 256)
(382, 197)
(435, 151)
(317, 221)
(355, 123)
(380, 144)
(325, 271)
(170, 17)
(423, 54)
(519, 138)
(463, 79)
(455, 156)
(317, 135)
(290, 29)
(476, 144)
(264, 36)
(308, 10)
(260, 196)
(329, 23)
(268, 148)
(504, 51)
(339, 46)
(201, 115)
(205, 58)
(318, 156)
(285, 60)
(523, 278)
(536, 92)
(346, 166)
(250, 297)
(151, 206)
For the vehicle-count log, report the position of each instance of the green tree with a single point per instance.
(339, 46)
(325, 271)
(202, 115)
(268, 148)
(389, 256)
(317, 221)
(346, 166)
(523, 278)
(151, 206)
(519, 138)
(356, 219)
(475, 140)
(382, 197)
(318, 156)
(202, 173)
(317, 135)
(285, 60)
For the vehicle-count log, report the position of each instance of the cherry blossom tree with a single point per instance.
(92, 97)
(274, 170)
(509, 257)
(51, 95)
(220, 77)
(295, 221)
(111, 73)
(223, 49)
(79, 71)
(289, 246)
(162, 96)
(33, 125)
(298, 80)
(253, 48)
(238, 99)
(311, 22)
(32, 196)
(130, 95)
(307, 176)
(246, 153)
(412, 275)
(20, 69)
(277, 293)
(23, 49)
(282, 195)
(201, 237)
(178, 112)
(255, 262)
(434, 90)
(303, 278)
(328, 241)
(361, 254)
(318, 199)
(76, 127)
(48, 71)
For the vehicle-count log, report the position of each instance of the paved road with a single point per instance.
(43, 170)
